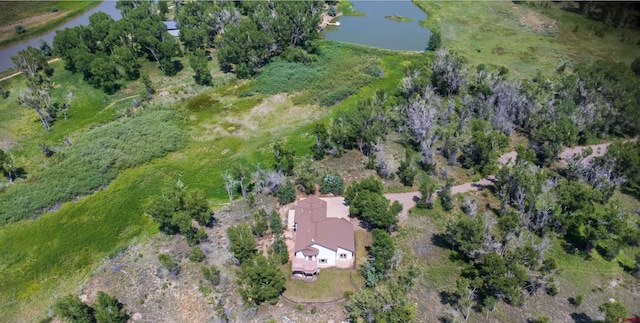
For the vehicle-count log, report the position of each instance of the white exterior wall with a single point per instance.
(349, 253)
(325, 253)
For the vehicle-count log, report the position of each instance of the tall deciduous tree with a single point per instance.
(199, 64)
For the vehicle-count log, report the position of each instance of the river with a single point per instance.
(374, 29)
(108, 7)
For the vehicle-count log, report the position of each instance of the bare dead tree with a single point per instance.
(229, 184)
(38, 97)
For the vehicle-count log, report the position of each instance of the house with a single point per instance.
(321, 241)
(172, 28)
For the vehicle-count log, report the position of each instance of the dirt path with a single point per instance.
(408, 199)
(18, 73)
(119, 100)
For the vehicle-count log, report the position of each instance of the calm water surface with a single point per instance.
(375, 30)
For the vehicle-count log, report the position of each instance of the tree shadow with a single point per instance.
(447, 298)
(581, 318)
(440, 240)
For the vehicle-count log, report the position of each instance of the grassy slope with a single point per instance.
(491, 33)
(13, 12)
(222, 132)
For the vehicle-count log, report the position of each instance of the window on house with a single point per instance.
(343, 256)
(323, 261)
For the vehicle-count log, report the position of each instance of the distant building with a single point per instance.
(172, 28)
(320, 241)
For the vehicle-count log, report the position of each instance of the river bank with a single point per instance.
(42, 23)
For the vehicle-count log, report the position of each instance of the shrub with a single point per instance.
(196, 254)
(635, 66)
(287, 193)
(577, 301)
(336, 96)
(93, 161)
(212, 274)
(281, 76)
(332, 183)
(19, 29)
(54, 9)
(167, 260)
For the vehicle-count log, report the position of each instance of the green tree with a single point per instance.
(306, 176)
(613, 311)
(199, 64)
(427, 189)
(466, 234)
(366, 201)
(406, 172)
(283, 158)
(260, 280)
(125, 58)
(175, 209)
(280, 250)
(109, 310)
(71, 308)
(103, 75)
(382, 250)
(332, 183)
(445, 195)
(243, 244)
(435, 41)
(286, 193)
(275, 223)
(260, 224)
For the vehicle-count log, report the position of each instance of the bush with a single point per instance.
(54, 9)
(167, 260)
(553, 290)
(286, 194)
(260, 225)
(19, 29)
(196, 254)
(212, 274)
(332, 183)
(577, 301)
(109, 310)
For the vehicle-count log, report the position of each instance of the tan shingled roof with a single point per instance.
(313, 226)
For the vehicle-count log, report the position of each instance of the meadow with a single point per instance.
(526, 41)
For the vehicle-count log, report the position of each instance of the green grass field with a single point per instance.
(501, 33)
(19, 12)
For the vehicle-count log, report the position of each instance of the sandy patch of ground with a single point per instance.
(535, 21)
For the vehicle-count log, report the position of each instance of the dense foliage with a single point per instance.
(366, 201)
(270, 29)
